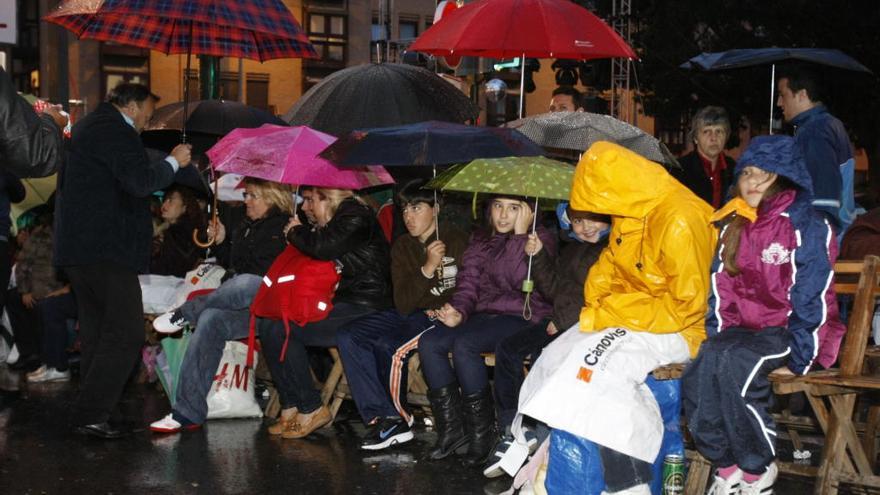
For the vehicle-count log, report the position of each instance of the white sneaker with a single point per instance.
(49, 375)
(642, 489)
(170, 322)
(170, 425)
(13, 355)
(729, 486)
(763, 485)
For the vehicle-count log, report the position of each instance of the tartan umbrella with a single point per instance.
(255, 29)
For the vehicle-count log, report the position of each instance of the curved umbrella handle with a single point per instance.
(210, 237)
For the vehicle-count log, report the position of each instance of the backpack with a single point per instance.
(296, 288)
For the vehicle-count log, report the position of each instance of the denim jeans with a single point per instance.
(237, 293)
(54, 313)
(292, 375)
(480, 333)
(218, 316)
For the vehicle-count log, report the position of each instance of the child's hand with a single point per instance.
(551, 329)
(436, 252)
(533, 245)
(523, 219)
(449, 316)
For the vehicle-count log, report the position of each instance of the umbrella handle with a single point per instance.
(209, 237)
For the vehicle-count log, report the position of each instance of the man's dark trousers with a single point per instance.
(111, 326)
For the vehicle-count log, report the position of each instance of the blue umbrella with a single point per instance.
(428, 143)
(749, 57)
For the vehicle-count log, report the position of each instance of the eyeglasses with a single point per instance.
(248, 196)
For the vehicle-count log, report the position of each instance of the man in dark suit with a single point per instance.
(707, 171)
(102, 240)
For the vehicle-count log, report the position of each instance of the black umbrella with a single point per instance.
(214, 117)
(379, 95)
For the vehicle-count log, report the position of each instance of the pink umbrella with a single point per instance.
(289, 155)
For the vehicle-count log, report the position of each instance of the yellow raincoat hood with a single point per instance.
(654, 274)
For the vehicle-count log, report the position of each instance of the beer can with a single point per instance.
(673, 474)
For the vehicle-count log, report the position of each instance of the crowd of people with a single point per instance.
(724, 265)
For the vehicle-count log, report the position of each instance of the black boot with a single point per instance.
(446, 406)
(479, 421)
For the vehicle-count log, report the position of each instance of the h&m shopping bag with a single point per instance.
(232, 393)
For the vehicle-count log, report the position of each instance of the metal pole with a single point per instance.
(772, 94)
(522, 84)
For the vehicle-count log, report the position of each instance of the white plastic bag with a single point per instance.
(232, 393)
(593, 385)
(205, 276)
(159, 292)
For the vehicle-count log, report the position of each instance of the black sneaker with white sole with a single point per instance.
(170, 322)
(386, 432)
(492, 468)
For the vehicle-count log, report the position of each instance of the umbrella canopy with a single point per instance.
(737, 58)
(531, 176)
(523, 28)
(37, 192)
(428, 143)
(379, 95)
(289, 155)
(579, 130)
(215, 117)
(255, 29)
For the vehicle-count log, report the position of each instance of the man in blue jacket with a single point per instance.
(102, 240)
(824, 144)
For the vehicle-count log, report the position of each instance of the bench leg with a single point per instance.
(698, 475)
(833, 451)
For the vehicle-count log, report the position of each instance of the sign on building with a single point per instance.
(8, 21)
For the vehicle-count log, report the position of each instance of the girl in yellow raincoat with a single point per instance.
(645, 303)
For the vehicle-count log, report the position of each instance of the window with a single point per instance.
(408, 29)
(229, 86)
(329, 34)
(377, 30)
(258, 91)
(124, 64)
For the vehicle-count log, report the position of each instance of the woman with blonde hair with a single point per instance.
(345, 231)
(223, 314)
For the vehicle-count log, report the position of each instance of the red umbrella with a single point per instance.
(523, 28)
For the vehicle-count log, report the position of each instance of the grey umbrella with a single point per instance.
(379, 95)
(579, 130)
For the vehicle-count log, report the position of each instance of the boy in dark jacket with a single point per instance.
(564, 282)
(374, 349)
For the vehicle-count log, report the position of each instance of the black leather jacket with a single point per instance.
(30, 144)
(354, 240)
(254, 245)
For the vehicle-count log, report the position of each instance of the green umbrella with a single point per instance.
(169, 365)
(531, 176)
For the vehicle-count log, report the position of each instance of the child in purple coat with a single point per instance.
(487, 307)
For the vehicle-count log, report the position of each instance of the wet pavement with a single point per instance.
(40, 455)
